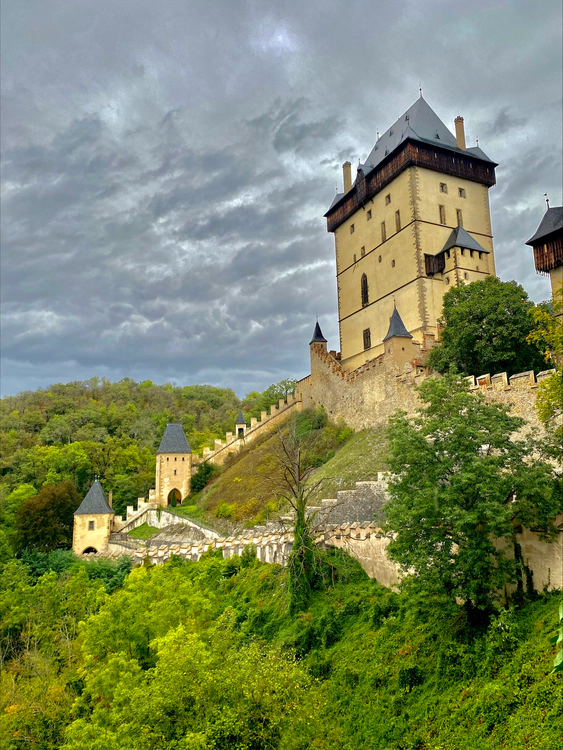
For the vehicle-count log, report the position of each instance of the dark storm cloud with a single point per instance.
(166, 167)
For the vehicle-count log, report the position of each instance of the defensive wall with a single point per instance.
(258, 428)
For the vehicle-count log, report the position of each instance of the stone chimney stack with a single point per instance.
(460, 133)
(347, 172)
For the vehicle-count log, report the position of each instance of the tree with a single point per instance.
(486, 325)
(461, 480)
(45, 522)
(295, 462)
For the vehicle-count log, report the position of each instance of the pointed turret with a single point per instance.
(173, 467)
(318, 337)
(240, 425)
(547, 242)
(92, 522)
(174, 440)
(396, 327)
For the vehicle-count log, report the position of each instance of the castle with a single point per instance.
(414, 222)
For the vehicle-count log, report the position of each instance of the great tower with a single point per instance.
(415, 221)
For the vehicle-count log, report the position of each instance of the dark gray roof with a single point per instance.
(95, 502)
(419, 123)
(174, 440)
(317, 335)
(552, 222)
(337, 197)
(397, 327)
(240, 418)
(460, 238)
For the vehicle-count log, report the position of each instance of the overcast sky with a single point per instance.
(167, 164)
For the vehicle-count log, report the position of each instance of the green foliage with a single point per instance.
(45, 521)
(558, 640)
(461, 480)
(486, 328)
(204, 474)
(144, 531)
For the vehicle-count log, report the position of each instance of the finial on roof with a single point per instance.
(477, 140)
(546, 199)
(397, 327)
(377, 133)
(420, 88)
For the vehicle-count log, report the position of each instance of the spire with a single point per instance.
(240, 419)
(95, 502)
(318, 337)
(397, 327)
(174, 440)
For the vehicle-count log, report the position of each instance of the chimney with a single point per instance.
(347, 172)
(460, 133)
(110, 499)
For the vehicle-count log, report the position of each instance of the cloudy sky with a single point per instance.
(166, 166)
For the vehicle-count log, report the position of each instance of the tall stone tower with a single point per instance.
(173, 467)
(92, 522)
(415, 221)
(547, 243)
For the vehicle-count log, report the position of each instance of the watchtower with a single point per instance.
(92, 522)
(173, 467)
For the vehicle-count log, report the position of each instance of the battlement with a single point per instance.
(501, 382)
(258, 427)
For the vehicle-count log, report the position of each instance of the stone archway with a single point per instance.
(90, 551)
(174, 498)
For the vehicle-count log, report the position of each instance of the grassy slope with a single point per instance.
(144, 531)
(243, 491)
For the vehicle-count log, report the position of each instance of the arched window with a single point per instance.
(365, 290)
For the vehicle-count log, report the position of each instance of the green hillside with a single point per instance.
(205, 655)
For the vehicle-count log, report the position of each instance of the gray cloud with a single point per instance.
(166, 168)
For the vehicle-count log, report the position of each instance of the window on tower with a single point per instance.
(363, 251)
(352, 229)
(398, 221)
(461, 192)
(367, 339)
(368, 215)
(388, 199)
(383, 232)
(364, 290)
(442, 212)
(443, 187)
(90, 525)
(459, 216)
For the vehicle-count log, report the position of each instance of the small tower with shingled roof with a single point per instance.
(398, 341)
(547, 242)
(173, 467)
(240, 426)
(92, 522)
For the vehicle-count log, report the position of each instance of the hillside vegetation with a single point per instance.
(205, 655)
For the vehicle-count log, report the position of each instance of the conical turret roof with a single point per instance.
(461, 238)
(552, 222)
(317, 335)
(174, 440)
(397, 327)
(95, 502)
(240, 418)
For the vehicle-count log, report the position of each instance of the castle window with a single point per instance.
(471, 253)
(380, 258)
(398, 221)
(352, 229)
(476, 268)
(442, 214)
(447, 279)
(466, 276)
(90, 525)
(383, 232)
(388, 199)
(463, 251)
(392, 264)
(175, 458)
(183, 459)
(443, 187)
(365, 290)
(168, 458)
(363, 251)
(367, 339)
(461, 192)
(354, 257)
(174, 472)
(459, 216)
(368, 215)
(480, 256)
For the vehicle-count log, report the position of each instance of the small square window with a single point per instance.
(352, 229)
(442, 214)
(461, 192)
(368, 215)
(388, 199)
(392, 264)
(367, 339)
(363, 251)
(383, 232)
(90, 525)
(459, 216)
(398, 221)
(443, 187)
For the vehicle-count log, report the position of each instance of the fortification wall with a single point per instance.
(258, 428)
